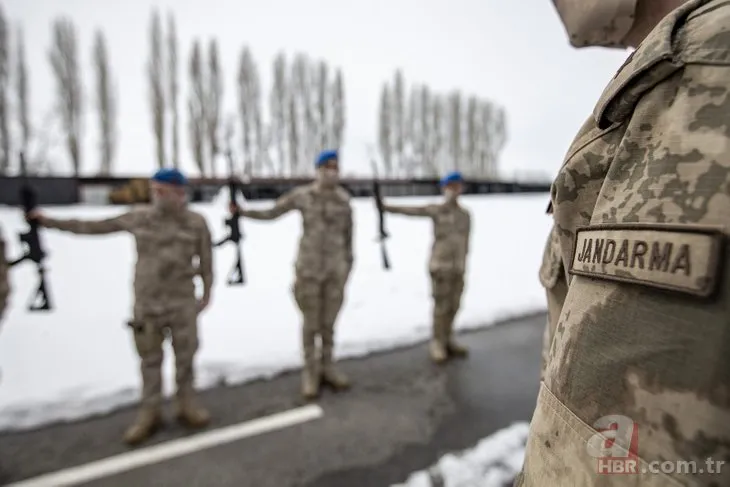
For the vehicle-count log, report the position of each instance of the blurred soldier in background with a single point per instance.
(322, 268)
(452, 229)
(169, 237)
(642, 210)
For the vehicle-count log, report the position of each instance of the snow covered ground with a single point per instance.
(493, 462)
(79, 359)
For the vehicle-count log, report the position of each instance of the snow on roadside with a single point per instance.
(494, 462)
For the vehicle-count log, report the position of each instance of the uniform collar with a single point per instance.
(651, 62)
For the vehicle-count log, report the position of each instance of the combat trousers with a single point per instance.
(149, 334)
(555, 299)
(446, 289)
(319, 301)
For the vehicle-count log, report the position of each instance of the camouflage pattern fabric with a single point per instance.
(552, 278)
(642, 208)
(451, 231)
(447, 264)
(323, 264)
(167, 245)
(4, 278)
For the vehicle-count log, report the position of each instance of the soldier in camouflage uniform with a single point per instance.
(322, 268)
(169, 237)
(4, 278)
(642, 210)
(451, 228)
(552, 277)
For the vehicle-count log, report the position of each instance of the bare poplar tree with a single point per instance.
(311, 112)
(196, 109)
(105, 104)
(323, 103)
(213, 104)
(425, 134)
(277, 102)
(63, 57)
(245, 110)
(486, 115)
(156, 77)
(5, 143)
(293, 132)
(261, 143)
(498, 138)
(298, 95)
(439, 125)
(172, 79)
(455, 130)
(338, 110)
(472, 134)
(23, 95)
(412, 132)
(385, 133)
(398, 120)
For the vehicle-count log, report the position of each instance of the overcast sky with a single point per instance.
(514, 52)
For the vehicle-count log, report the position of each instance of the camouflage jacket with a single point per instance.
(551, 268)
(642, 203)
(325, 246)
(167, 247)
(451, 229)
(552, 277)
(4, 277)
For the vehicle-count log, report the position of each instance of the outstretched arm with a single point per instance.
(428, 210)
(121, 223)
(284, 204)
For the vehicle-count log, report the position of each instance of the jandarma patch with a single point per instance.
(682, 258)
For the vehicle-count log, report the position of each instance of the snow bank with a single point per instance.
(493, 462)
(79, 359)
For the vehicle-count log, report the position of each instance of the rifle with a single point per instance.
(382, 233)
(31, 242)
(237, 274)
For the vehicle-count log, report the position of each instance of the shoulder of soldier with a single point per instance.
(138, 213)
(343, 194)
(196, 218)
(703, 36)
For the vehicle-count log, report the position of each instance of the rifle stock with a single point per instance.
(31, 242)
(237, 275)
(382, 232)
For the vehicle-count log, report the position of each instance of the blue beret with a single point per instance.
(326, 156)
(170, 176)
(452, 177)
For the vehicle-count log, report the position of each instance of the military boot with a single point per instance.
(330, 375)
(437, 347)
(147, 423)
(189, 413)
(453, 348)
(457, 350)
(310, 380)
(437, 351)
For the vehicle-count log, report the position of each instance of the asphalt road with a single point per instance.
(402, 414)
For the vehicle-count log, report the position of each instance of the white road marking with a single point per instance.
(171, 449)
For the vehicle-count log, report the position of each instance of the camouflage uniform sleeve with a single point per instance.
(121, 223)
(4, 278)
(283, 205)
(428, 210)
(468, 232)
(348, 235)
(205, 256)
